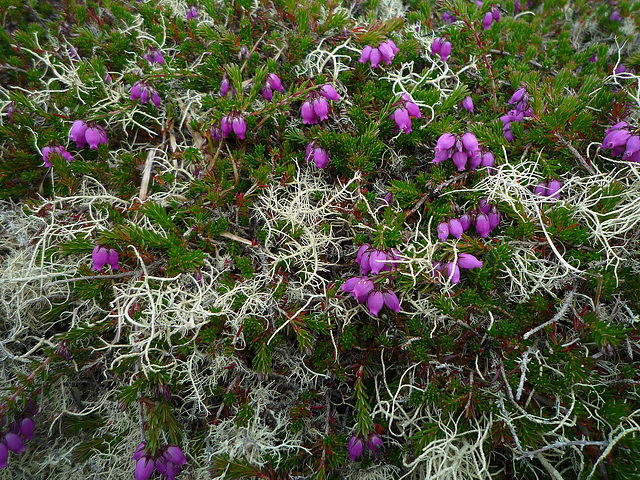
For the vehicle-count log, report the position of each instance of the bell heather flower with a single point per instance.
(225, 85)
(467, 261)
(14, 443)
(373, 442)
(355, 447)
(328, 92)
(4, 456)
(234, 121)
(445, 51)
(467, 103)
(483, 227)
(436, 46)
(460, 149)
(487, 20)
(316, 108)
(443, 231)
(102, 256)
(192, 13)
(272, 83)
(55, 149)
(615, 15)
(406, 110)
(143, 91)
(384, 52)
(154, 55)
(320, 155)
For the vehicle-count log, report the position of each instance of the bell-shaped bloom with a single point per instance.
(517, 96)
(488, 159)
(172, 470)
(376, 261)
(192, 13)
(153, 55)
(465, 221)
(467, 261)
(136, 90)
(350, 284)
(460, 160)
(328, 92)
(95, 136)
(375, 301)
(174, 455)
(487, 20)
(309, 116)
(467, 103)
(375, 58)
(484, 205)
(483, 227)
(320, 157)
(27, 427)
(436, 46)
(14, 443)
(452, 272)
(455, 228)
(226, 125)
(373, 442)
(239, 126)
(445, 141)
(386, 52)
(496, 14)
(144, 468)
(356, 446)
(402, 119)
(494, 217)
(139, 452)
(443, 231)
(445, 51)
(616, 138)
(99, 257)
(541, 189)
(56, 149)
(274, 82)
(77, 133)
(391, 300)
(112, 259)
(409, 104)
(321, 108)
(362, 289)
(366, 54)
(553, 188)
(470, 142)
(615, 16)
(225, 85)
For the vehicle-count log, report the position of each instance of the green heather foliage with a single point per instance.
(231, 327)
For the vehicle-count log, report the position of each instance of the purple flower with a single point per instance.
(362, 289)
(192, 13)
(467, 103)
(553, 188)
(14, 443)
(235, 122)
(452, 272)
(77, 133)
(443, 231)
(27, 427)
(144, 468)
(174, 455)
(274, 82)
(436, 46)
(488, 159)
(487, 20)
(139, 452)
(467, 261)
(328, 92)
(57, 150)
(496, 14)
(102, 256)
(518, 95)
(95, 136)
(465, 221)
(153, 55)
(375, 301)
(309, 116)
(366, 54)
(320, 155)
(385, 52)
(402, 119)
(483, 227)
(615, 16)
(145, 93)
(225, 85)
(355, 448)
(391, 300)
(455, 228)
(541, 189)
(321, 108)
(4, 456)
(373, 442)
(445, 51)
(494, 217)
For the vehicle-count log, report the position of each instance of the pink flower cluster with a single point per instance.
(192, 13)
(406, 110)
(620, 141)
(462, 149)
(320, 155)
(490, 17)
(235, 122)
(19, 430)
(442, 47)
(364, 289)
(225, 86)
(548, 188)
(356, 445)
(316, 108)
(451, 270)
(485, 218)
(145, 92)
(55, 150)
(167, 462)
(102, 256)
(272, 83)
(520, 99)
(385, 52)
(88, 133)
(154, 55)
(467, 104)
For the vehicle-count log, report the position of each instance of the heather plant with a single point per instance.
(358, 240)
